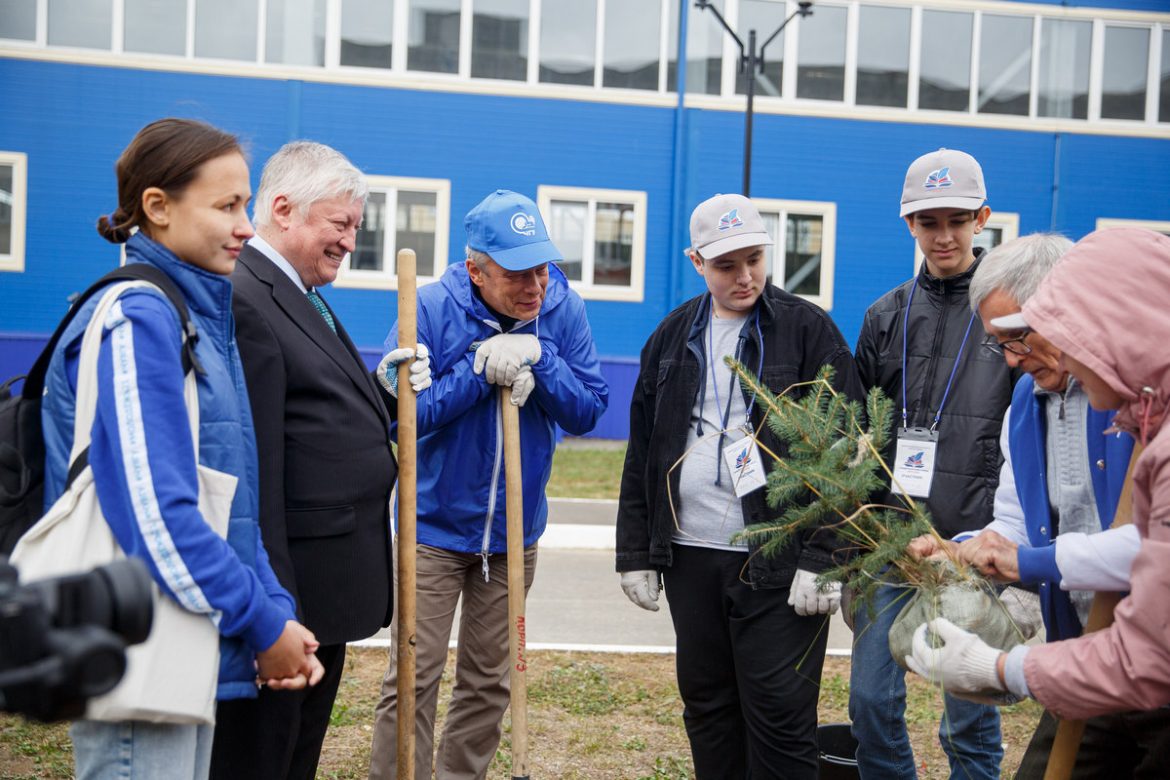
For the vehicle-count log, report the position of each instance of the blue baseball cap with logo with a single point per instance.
(507, 226)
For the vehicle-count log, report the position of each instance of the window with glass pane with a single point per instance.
(432, 42)
(18, 19)
(631, 45)
(704, 50)
(568, 39)
(499, 39)
(800, 243)
(83, 23)
(1164, 88)
(1005, 64)
(156, 26)
(772, 225)
(820, 63)
(416, 226)
(1123, 80)
(613, 243)
(367, 33)
(763, 16)
(883, 56)
(226, 29)
(7, 201)
(802, 254)
(296, 32)
(944, 80)
(988, 238)
(1063, 90)
(367, 254)
(566, 225)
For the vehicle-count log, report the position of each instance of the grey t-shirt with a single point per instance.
(708, 514)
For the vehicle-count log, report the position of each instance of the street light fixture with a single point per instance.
(751, 61)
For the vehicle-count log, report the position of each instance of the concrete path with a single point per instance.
(576, 601)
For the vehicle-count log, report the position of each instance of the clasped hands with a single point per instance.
(291, 663)
(506, 359)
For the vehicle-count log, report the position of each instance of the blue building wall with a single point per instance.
(73, 120)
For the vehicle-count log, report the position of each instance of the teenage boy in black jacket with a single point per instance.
(921, 344)
(743, 621)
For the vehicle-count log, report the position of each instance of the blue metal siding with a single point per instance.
(73, 120)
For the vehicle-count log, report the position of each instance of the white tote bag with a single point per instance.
(172, 676)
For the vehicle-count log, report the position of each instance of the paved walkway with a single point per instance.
(576, 601)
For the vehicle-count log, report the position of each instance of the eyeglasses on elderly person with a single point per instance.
(1017, 345)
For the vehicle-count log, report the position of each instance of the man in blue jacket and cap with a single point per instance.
(506, 317)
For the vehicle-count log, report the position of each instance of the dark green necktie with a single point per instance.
(319, 304)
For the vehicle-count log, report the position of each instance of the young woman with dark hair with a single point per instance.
(183, 189)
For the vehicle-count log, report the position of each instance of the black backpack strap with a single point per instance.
(34, 383)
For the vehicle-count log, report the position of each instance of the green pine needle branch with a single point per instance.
(824, 481)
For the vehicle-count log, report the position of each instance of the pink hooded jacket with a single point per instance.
(1107, 304)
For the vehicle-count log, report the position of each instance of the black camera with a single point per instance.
(63, 641)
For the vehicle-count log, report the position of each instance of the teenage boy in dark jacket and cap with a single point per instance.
(921, 344)
(743, 621)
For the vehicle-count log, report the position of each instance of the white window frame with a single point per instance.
(827, 211)
(399, 75)
(1157, 225)
(387, 278)
(635, 292)
(1006, 222)
(14, 259)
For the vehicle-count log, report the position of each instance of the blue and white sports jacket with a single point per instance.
(461, 490)
(142, 455)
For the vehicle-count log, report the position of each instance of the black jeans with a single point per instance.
(1126, 745)
(749, 670)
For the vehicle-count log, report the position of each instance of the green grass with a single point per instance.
(591, 716)
(580, 471)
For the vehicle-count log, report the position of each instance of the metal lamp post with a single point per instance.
(749, 62)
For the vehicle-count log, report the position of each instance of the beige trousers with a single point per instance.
(480, 696)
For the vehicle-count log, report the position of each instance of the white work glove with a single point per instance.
(420, 369)
(501, 357)
(523, 385)
(963, 664)
(1023, 607)
(641, 587)
(807, 599)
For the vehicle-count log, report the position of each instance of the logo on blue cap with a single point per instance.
(523, 224)
(507, 226)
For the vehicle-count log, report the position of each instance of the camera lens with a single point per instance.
(117, 596)
(131, 599)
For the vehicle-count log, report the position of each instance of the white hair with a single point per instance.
(479, 258)
(1017, 267)
(306, 172)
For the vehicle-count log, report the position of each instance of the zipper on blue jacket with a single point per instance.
(484, 551)
(491, 511)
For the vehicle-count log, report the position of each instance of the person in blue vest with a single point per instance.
(183, 191)
(1058, 491)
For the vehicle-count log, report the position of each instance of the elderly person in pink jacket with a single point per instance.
(1107, 308)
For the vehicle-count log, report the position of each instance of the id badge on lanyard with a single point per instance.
(743, 462)
(917, 447)
(914, 462)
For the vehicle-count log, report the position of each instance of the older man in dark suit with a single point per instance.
(325, 463)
